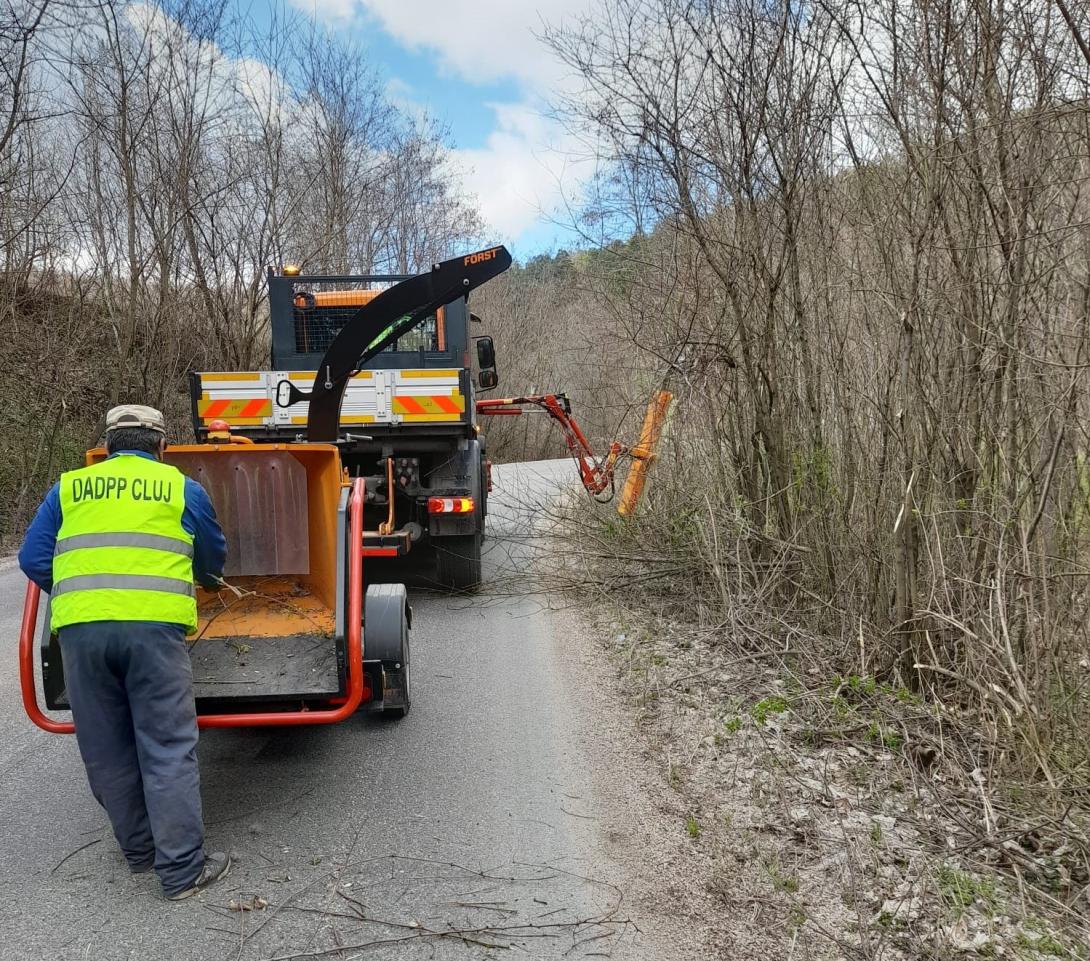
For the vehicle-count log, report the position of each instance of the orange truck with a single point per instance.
(408, 422)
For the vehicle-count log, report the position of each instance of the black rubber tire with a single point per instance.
(459, 562)
(386, 636)
(397, 713)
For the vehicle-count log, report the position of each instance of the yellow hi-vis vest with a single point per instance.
(122, 553)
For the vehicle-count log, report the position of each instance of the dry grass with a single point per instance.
(839, 816)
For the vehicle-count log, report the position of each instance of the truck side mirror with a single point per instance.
(487, 378)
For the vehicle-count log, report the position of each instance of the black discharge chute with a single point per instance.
(376, 325)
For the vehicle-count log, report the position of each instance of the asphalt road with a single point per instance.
(481, 812)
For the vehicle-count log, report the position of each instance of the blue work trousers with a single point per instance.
(130, 684)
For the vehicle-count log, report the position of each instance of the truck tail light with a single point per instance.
(450, 505)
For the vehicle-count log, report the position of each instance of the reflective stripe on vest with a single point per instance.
(123, 582)
(122, 553)
(156, 542)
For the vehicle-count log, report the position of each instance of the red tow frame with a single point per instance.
(251, 719)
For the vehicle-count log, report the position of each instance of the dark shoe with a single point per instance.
(142, 868)
(215, 867)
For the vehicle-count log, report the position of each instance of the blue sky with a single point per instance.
(477, 66)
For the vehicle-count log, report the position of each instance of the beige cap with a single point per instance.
(135, 415)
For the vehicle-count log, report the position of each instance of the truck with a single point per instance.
(298, 633)
(408, 425)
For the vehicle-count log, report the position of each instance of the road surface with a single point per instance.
(499, 809)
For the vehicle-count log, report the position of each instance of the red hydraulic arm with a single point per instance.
(596, 473)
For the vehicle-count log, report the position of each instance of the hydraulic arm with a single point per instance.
(596, 473)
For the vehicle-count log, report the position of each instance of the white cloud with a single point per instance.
(217, 79)
(524, 171)
(480, 40)
(403, 96)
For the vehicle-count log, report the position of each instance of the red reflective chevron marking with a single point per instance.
(255, 408)
(411, 405)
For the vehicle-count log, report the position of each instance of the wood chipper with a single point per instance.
(295, 636)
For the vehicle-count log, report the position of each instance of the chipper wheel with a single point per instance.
(387, 619)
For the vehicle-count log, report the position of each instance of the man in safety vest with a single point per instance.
(118, 546)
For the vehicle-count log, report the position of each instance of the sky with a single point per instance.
(479, 67)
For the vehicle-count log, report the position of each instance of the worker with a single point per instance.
(118, 546)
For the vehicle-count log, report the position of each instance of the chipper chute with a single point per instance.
(381, 321)
(293, 637)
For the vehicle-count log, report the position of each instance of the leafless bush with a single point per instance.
(868, 284)
(550, 325)
(152, 163)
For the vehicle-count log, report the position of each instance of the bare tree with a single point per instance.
(155, 161)
(863, 272)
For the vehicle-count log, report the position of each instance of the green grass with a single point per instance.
(782, 881)
(692, 827)
(960, 889)
(892, 740)
(860, 774)
(763, 709)
(841, 707)
(1045, 945)
(876, 734)
(905, 696)
(890, 922)
(862, 685)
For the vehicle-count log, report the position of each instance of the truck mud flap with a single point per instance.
(383, 545)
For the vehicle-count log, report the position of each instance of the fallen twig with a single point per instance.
(72, 854)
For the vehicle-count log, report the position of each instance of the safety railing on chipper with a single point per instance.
(355, 689)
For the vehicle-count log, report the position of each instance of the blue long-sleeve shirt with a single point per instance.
(198, 520)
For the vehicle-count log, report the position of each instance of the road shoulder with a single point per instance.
(815, 819)
(640, 820)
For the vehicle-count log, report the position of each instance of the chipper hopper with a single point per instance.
(294, 637)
